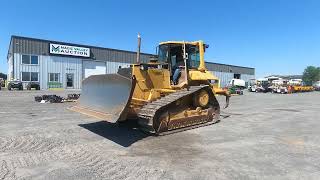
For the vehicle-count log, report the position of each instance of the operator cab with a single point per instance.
(174, 54)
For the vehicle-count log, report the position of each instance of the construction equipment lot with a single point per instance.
(260, 136)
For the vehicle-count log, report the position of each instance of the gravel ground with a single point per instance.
(266, 136)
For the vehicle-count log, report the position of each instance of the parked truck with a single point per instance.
(279, 86)
(236, 86)
(262, 85)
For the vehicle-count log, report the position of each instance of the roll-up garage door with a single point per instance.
(93, 68)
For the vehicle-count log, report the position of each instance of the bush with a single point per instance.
(310, 75)
(54, 85)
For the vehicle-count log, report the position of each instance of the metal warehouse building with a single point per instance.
(59, 64)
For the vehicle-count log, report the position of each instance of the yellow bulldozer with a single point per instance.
(172, 92)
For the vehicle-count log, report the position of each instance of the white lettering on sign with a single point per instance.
(69, 50)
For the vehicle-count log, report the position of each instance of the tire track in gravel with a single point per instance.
(27, 151)
(111, 167)
(27, 144)
(25, 160)
(100, 165)
(30, 150)
(6, 171)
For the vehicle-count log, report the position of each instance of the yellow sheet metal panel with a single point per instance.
(202, 65)
(195, 75)
(160, 78)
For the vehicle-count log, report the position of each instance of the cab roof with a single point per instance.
(180, 42)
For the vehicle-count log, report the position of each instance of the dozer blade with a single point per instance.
(106, 95)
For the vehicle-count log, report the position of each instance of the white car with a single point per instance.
(316, 86)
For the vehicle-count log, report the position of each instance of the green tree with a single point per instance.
(311, 74)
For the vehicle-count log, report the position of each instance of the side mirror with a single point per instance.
(205, 46)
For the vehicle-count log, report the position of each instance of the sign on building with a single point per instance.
(69, 50)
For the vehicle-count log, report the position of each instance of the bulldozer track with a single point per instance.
(149, 110)
(186, 128)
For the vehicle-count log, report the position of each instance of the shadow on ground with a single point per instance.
(122, 134)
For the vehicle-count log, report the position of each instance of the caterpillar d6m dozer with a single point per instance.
(172, 92)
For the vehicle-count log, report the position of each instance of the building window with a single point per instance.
(237, 76)
(25, 76)
(34, 60)
(25, 59)
(54, 77)
(30, 59)
(34, 76)
(30, 76)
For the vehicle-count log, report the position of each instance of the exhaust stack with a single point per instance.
(138, 49)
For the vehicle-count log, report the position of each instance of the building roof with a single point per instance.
(27, 45)
(71, 44)
(286, 76)
(229, 65)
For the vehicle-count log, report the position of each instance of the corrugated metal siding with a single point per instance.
(41, 47)
(114, 58)
(10, 67)
(229, 68)
(117, 56)
(62, 65)
(247, 77)
(51, 64)
(224, 77)
(112, 67)
(28, 46)
(19, 68)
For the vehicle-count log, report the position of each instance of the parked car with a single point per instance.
(15, 84)
(2, 82)
(263, 85)
(316, 86)
(35, 85)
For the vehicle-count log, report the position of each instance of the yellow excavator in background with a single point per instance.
(173, 91)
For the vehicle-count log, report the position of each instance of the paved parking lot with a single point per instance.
(261, 136)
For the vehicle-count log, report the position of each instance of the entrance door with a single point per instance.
(69, 80)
